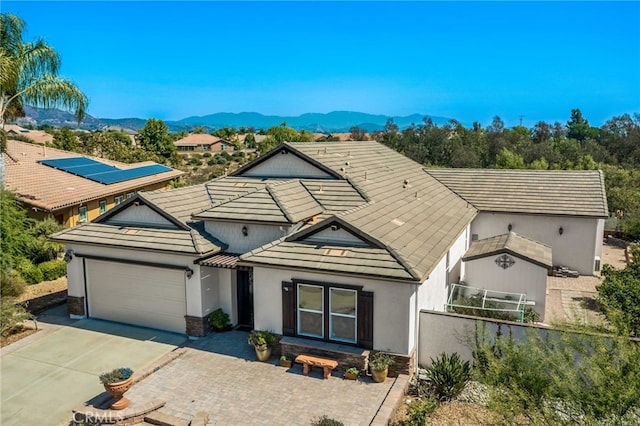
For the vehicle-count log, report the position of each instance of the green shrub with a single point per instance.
(12, 284)
(447, 376)
(53, 269)
(212, 162)
(206, 155)
(29, 271)
(419, 410)
(326, 421)
(11, 317)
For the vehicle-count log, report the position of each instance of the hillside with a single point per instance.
(336, 121)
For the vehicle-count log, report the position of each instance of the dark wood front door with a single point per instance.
(244, 286)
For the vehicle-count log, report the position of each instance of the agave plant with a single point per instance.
(447, 376)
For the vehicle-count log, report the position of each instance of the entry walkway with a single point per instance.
(219, 374)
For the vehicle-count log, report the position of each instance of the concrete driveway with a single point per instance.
(50, 372)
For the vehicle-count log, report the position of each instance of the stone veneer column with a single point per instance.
(75, 306)
(197, 326)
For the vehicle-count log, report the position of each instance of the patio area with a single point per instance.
(219, 374)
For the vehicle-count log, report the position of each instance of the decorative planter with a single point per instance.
(223, 328)
(117, 390)
(263, 353)
(285, 363)
(350, 376)
(379, 376)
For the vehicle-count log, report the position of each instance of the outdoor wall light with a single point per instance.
(510, 227)
(245, 231)
(68, 255)
(561, 230)
(188, 272)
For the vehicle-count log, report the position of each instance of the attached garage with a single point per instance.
(136, 294)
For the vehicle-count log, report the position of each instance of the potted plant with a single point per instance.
(219, 320)
(351, 373)
(117, 382)
(379, 364)
(262, 341)
(285, 362)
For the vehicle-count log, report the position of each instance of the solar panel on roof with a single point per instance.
(101, 172)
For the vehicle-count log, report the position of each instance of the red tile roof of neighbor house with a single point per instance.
(38, 136)
(50, 189)
(195, 139)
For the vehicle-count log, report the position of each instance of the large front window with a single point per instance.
(311, 310)
(325, 311)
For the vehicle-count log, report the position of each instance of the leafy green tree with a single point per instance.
(578, 127)
(28, 74)
(507, 159)
(358, 134)
(65, 139)
(619, 294)
(154, 137)
(280, 134)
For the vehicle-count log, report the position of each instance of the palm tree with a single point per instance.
(28, 75)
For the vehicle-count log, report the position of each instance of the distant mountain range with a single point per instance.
(333, 122)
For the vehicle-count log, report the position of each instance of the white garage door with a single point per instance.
(135, 294)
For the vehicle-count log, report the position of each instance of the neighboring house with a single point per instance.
(204, 142)
(38, 136)
(338, 242)
(73, 196)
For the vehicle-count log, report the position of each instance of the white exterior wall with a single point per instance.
(339, 236)
(523, 277)
(258, 234)
(210, 283)
(391, 304)
(432, 293)
(599, 239)
(219, 291)
(139, 215)
(285, 165)
(75, 274)
(456, 266)
(576, 248)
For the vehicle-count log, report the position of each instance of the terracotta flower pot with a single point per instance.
(285, 363)
(263, 353)
(117, 390)
(379, 376)
(350, 376)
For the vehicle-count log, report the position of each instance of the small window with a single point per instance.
(474, 237)
(103, 206)
(83, 213)
(342, 315)
(117, 200)
(129, 195)
(311, 310)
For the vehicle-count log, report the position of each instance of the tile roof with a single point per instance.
(512, 243)
(413, 216)
(199, 139)
(38, 136)
(371, 261)
(50, 189)
(554, 192)
(183, 241)
(277, 202)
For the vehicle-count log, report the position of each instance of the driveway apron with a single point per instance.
(45, 379)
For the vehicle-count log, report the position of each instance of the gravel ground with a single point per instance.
(42, 289)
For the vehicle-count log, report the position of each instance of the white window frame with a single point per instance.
(354, 316)
(131, 194)
(82, 211)
(103, 206)
(118, 199)
(299, 331)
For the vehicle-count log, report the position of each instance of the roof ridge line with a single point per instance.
(279, 203)
(424, 169)
(403, 262)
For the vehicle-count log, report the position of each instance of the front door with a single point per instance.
(245, 299)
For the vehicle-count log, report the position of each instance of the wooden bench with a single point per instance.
(308, 361)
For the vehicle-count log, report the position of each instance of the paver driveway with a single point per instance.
(51, 374)
(219, 375)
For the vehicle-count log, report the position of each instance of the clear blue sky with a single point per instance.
(468, 61)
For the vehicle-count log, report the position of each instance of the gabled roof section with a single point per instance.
(180, 202)
(514, 244)
(278, 202)
(190, 242)
(259, 167)
(138, 211)
(552, 192)
(195, 139)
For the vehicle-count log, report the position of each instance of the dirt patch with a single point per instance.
(452, 413)
(42, 289)
(4, 341)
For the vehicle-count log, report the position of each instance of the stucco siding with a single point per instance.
(575, 248)
(391, 304)
(432, 293)
(522, 277)
(285, 165)
(257, 234)
(209, 280)
(339, 236)
(141, 214)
